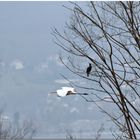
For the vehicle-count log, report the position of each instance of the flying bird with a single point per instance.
(88, 69)
(65, 91)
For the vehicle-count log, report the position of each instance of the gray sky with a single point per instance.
(30, 69)
(26, 29)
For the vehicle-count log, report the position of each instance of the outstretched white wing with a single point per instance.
(61, 93)
(66, 89)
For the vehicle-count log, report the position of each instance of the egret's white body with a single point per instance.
(64, 91)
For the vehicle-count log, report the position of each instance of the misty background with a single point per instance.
(30, 69)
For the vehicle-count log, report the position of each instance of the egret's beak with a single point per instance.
(52, 93)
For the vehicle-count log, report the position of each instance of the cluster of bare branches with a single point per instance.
(107, 34)
(9, 131)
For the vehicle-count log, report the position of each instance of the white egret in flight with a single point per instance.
(64, 91)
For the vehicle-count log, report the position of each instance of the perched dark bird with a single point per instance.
(88, 69)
